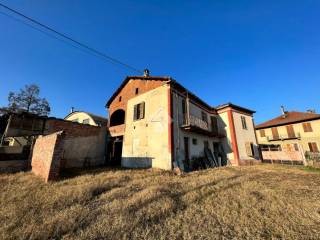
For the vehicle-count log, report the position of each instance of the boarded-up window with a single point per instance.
(290, 131)
(244, 122)
(313, 147)
(262, 133)
(307, 127)
(275, 133)
(249, 149)
(138, 111)
(214, 125)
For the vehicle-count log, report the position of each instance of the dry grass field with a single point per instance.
(258, 202)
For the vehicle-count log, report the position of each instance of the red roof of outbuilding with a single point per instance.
(291, 117)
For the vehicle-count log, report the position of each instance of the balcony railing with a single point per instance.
(284, 137)
(196, 124)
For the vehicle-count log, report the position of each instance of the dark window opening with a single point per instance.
(137, 91)
(139, 111)
(117, 118)
(86, 121)
(204, 116)
(194, 141)
(120, 98)
(206, 144)
(214, 125)
(244, 122)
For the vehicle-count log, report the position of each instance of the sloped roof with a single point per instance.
(96, 118)
(178, 86)
(222, 106)
(127, 79)
(291, 117)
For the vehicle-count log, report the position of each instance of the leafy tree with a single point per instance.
(27, 100)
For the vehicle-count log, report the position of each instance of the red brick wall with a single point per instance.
(46, 156)
(71, 129)
(129, 91)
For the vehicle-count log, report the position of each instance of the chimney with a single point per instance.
(72, 110)
(283, 112)
(146, 73)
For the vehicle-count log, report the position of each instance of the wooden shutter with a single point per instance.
(275, 133)
(290, 131)
(307, 127)
(244, 123)
(141, 110)
(249, 149)
(262, 133)
(135, 112)
(313, 147)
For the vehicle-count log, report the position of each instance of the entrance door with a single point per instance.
(115, 151)
(186, 152)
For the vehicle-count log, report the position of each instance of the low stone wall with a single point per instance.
(282, 155)
(73, 146)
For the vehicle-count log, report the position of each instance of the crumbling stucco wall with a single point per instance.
(146, 141)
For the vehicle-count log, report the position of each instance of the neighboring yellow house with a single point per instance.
(289, 133)
(86, 118)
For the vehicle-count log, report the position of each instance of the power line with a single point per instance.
(64, 36)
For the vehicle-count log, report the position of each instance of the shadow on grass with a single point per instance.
(76, 172)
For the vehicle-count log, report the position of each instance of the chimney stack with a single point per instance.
(72, 110)
(283, 112)
(146, 73)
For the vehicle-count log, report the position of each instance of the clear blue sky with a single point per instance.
(258, 54)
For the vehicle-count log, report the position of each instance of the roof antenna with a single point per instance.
(72, 110)
(146, 73)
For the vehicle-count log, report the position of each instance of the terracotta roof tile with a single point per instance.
(291, 117)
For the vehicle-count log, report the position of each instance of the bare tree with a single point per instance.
(27, 100)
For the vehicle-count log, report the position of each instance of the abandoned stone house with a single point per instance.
(156, 122)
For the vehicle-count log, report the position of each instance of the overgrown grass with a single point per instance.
(258, 202)
(311, 169)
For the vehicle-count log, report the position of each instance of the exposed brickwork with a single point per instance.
(71, 129)
(47, 153)
(129, 91)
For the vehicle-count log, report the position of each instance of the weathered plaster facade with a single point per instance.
(175, 128)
